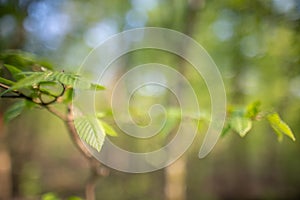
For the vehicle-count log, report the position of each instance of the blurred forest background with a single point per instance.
(256, 46)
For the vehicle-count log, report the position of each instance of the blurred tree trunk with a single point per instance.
(175, 178)
(5, 164)
(175, 174)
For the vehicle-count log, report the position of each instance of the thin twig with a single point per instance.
(12, 96)
(56, 113)
(4, 86)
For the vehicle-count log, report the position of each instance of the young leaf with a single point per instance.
(89, 130)
(109, 130)
(52, 88)
(253, 109)
(50, 196)
(241, 125)
(280, 127)
(68, 95)
(64, 78)
(73, 80)
(96, 87)
(226, 129)
(14, 110)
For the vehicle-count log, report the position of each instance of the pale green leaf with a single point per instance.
(50, 196)
(64, 78)
(253, 109)
(52, 88)
(94, 86)
(74, 80)
(241, 125)
(280, 127)
(108, 129)
(89, 130)
(74, 198)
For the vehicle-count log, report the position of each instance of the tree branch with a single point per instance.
(56, 113)
(96, 170)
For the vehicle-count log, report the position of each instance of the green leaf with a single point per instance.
(52, 88)
(68, 95)
(50, 196)
(96, 87)
(89, 130)
(64, 78)
(253, 109)
(14, 110)
(109, 130)
(6, 81)
(74, 80)
(29, 81)
(15, 72)
(280, 127)
(74, 198)
(226, 130)
(241, 125)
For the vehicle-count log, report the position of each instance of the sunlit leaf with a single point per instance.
(74, 198)
(108, 129)
(89, 130)
(52, 88)
(253, 109)
(64, 78)
(241, 125)
(50, 196)
(280, 127)
(68, 95)
(94, 86)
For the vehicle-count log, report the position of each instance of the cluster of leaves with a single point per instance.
(39, 86)
(241, 121)
(52, 196)
(23, 77)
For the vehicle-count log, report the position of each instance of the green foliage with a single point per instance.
(240, 124)
(50, 196)
(6, 81)
(107, 129)
(89, 130)
(241, 121)
(14, 110)
(253, 109)
(42, 87)
(280, 127)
